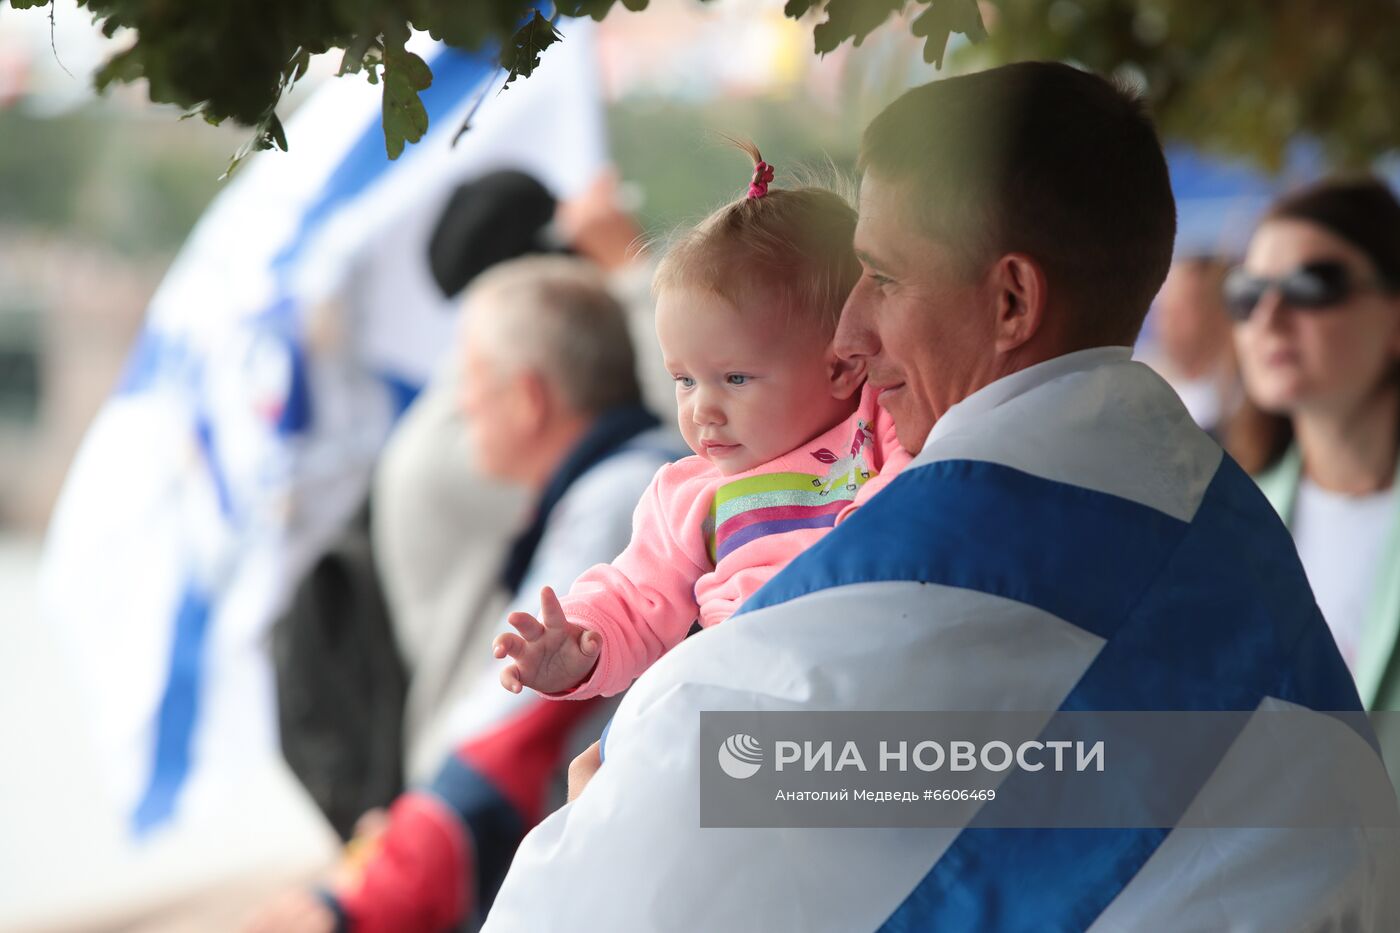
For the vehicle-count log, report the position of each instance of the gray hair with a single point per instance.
(555, 316)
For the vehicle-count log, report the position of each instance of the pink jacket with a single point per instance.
(702, 542)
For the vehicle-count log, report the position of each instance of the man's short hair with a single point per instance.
(1043, 159)
(555, 315)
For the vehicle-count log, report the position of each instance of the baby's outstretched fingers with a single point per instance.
(550, 654)
(526, 624)
(551, 611)
(508, 644)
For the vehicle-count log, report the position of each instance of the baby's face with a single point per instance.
(748, 388)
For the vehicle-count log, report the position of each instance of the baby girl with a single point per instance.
(787, 439)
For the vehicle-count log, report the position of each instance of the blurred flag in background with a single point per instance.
(295, 325)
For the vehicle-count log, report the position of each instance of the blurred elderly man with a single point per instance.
(1065, 539)
(550, 394)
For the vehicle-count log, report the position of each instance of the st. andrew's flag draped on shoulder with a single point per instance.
(1066, 540)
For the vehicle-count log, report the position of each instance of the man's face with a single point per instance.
(925, 330)
(490, 398)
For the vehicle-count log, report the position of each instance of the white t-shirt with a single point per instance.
(1341, 539)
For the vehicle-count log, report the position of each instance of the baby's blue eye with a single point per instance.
(685, 381)
(736, 379)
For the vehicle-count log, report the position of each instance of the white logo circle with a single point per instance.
(740, 756)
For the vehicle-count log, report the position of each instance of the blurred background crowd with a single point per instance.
(351, 510)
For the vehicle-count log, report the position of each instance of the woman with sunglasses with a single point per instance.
(1317, 310)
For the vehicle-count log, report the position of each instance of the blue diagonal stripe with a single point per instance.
(1214, 614)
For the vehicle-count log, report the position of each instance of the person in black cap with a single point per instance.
(488, 220)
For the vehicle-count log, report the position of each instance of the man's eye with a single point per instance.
(880, 280)
(736, 379)
(685, 382)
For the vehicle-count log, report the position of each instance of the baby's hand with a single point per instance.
(550, 656)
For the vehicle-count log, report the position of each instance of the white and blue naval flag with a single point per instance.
(1066, 540)
(293, 328)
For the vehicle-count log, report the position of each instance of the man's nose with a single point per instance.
(854, 336)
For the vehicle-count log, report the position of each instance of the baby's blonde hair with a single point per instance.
(790, 248)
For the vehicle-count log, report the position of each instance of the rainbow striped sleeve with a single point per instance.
(752, 508)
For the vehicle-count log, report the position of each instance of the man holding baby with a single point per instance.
(1064, 538)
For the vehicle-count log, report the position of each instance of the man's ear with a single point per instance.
(536, 400)
(1021, 295)
(845, 376)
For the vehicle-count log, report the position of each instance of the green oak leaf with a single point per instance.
(941, 19)
(851, 19)
(275, 131)
(522, 54)
(354, 58)
(405, 74)
(1244, 78)
(469, 25)
(124, 67)
(577, 9)
(419, 75)
(267, 133)
(405, 117)
(296, 68)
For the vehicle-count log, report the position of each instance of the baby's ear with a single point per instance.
(845, 376)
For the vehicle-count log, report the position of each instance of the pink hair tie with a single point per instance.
(762, 175)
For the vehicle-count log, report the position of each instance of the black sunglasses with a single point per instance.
(1312, 286)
